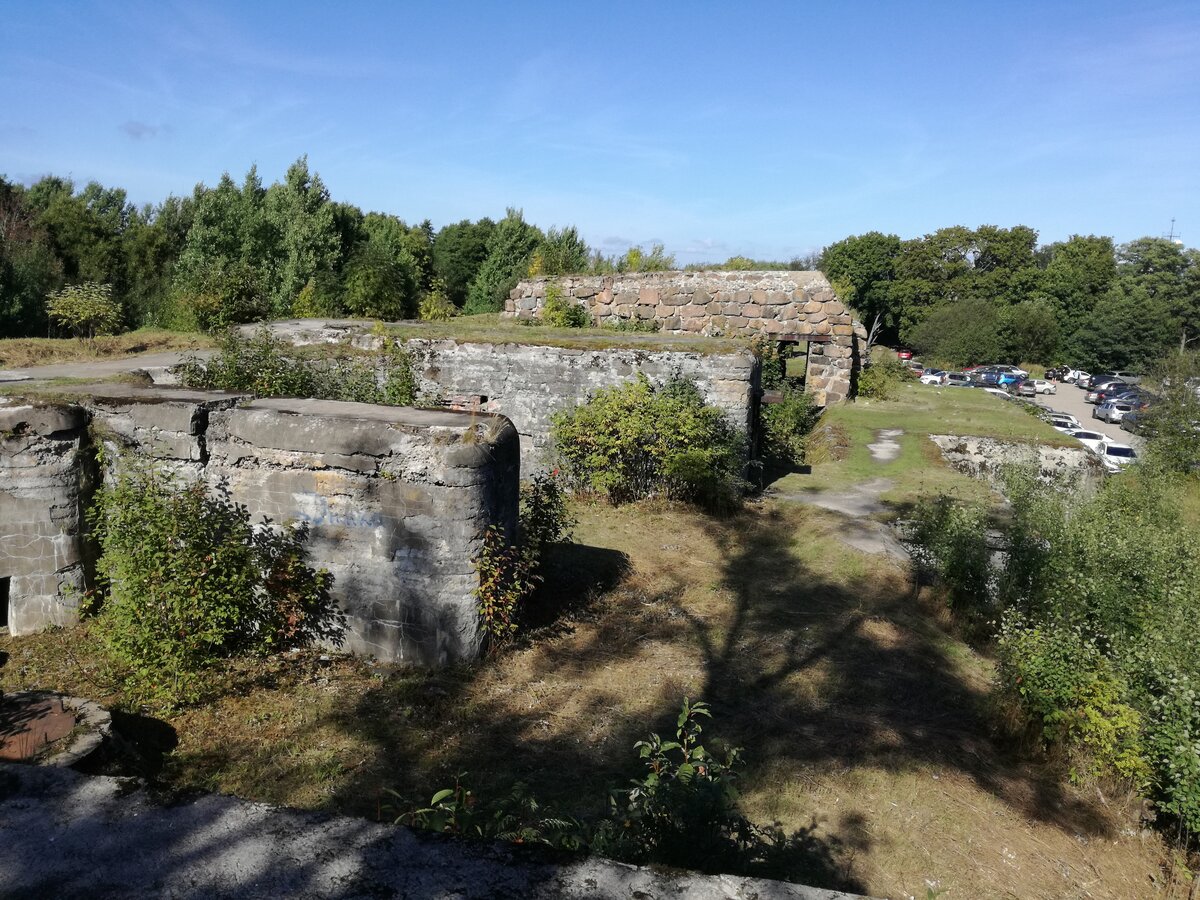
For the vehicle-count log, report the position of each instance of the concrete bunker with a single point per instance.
(396, 499)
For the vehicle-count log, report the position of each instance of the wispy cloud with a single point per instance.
(142, 131)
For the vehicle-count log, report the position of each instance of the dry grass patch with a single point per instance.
(865, 724)
(20, 353)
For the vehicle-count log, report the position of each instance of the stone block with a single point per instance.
(752, 311)
(818, 317)
(648, 296)
(844, 330)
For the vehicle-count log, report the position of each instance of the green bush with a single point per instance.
(510, 573)
(882, 378)
(87, 309)
(949, 540)
(1060, 680)
(188, 580)
(636, 440)
(562, 313)
(267, 367)
(786, 425)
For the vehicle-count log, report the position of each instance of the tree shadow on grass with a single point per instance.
(804, 666)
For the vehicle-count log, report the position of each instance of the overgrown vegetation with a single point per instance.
(561, 313)
(267, 367)
(881, 379)
(186, 579)
(639, 440)
(1099, 602)
(86, 310)
(509, 573)
(682, 811)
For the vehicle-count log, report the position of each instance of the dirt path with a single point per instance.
(101, 368)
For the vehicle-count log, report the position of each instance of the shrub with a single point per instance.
(189, 580)
(510, 573)
(786, 426)
(436, 306)
(949, 540)
(882, 379)
(636, 440)
(683, 810)
(87, 309)
(1060, 680)
(562, 313)
(263, 366)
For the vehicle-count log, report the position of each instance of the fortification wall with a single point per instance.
(528, 383)
(44, 478)
(395, 499)
(799, 305)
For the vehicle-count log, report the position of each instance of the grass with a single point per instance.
(20, 353)
(919, 469)
(866, 724)
(493, 328)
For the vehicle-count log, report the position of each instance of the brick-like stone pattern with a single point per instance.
(722, 303)
(43, 482)
(528, 383)
(395, 499)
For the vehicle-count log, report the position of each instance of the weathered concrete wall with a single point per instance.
(395, 499)
(528, 383)
(43, 482)
(775, 304)
(984, 457)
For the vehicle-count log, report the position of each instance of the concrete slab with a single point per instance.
(63, 834)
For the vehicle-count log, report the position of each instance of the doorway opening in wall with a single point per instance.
(4, 584)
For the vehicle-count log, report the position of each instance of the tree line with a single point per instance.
(237, 253)
(964, 296)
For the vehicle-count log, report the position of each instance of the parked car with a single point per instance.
(904, 354)
(958, 379)
(1093, 440)
(933, 376)
(1097, 393)
(1025, 388)
(1076, 376)
(1127, 377)
(1117, 456)
(1041, 386)
(1111, 411)
(1064, 422)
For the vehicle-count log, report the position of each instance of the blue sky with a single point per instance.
(768, 129)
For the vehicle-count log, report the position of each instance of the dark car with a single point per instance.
(1026, 388)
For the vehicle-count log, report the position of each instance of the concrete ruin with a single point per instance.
(529, 382)
(794, 307)
(396, 499)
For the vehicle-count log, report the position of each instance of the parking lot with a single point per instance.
(1069, 399)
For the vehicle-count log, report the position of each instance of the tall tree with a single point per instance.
(304, 221)
(29, 269)
(459, 250)
(509, 250)
(862, 269)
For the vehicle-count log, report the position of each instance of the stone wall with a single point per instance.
(44, 478)
(793, 305)
(395, 498)
(528, 383)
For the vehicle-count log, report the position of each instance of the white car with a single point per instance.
(1042, 387)
(1065, 424)
(933, 378)
(1116, 456)
(1093, 440)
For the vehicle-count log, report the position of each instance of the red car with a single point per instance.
(904, 354)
